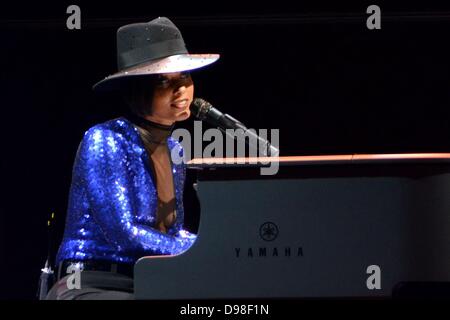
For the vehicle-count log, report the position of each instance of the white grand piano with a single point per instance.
(375, 225)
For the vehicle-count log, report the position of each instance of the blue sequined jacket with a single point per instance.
(113, 200)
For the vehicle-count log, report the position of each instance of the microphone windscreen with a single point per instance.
(199, 108)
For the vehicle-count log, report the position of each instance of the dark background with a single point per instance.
(314, 71)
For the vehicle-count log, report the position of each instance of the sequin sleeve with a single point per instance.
(105, 159)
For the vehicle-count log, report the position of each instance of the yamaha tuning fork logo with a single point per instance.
(268, 233)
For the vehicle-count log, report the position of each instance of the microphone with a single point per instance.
(203, 110)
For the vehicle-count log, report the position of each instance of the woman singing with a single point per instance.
(126, 195)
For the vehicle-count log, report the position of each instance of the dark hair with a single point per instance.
(138, 94)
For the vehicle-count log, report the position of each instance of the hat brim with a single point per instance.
(175, 63)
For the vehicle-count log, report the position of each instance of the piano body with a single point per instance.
(323, 226)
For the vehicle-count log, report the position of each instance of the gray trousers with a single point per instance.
(94, 285)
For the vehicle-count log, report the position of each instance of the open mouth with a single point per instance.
(180, 104)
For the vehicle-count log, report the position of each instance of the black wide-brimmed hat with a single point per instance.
(152, 47)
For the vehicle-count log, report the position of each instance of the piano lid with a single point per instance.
(199, 163)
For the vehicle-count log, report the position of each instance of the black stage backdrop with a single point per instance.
(314, 71)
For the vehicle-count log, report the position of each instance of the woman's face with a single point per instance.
(172, 97)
